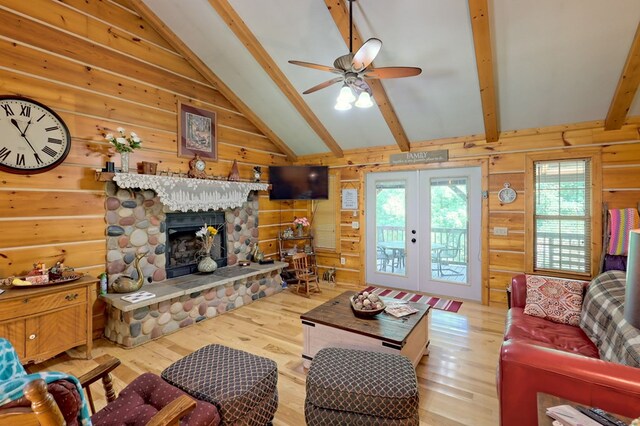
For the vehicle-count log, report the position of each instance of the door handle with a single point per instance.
(413, 240)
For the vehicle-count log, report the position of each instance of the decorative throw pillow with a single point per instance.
(556, 299)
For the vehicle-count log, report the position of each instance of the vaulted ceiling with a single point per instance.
(541, 63)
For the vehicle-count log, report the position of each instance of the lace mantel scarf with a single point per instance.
(183, 194)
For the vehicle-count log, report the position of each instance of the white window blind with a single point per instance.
(562, 215)
(324, 218)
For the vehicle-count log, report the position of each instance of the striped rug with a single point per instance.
(434, 302)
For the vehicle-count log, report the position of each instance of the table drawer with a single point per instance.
(28, 305)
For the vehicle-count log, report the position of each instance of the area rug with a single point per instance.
(434, 302)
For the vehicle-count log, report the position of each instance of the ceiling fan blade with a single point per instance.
(366, 54)
(392, 72)
(323, 85)
(316, 66)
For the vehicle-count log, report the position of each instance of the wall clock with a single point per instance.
(197, 167)
(34, 137)
(507, 195)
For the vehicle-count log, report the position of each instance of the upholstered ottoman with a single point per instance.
(241, 385)
(348, 386)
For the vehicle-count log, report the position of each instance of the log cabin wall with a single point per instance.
(100, 66)
(620, 186)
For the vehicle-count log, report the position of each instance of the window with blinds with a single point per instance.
(324, 218)
(562, 215)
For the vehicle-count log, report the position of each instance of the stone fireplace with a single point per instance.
(183, 247)
(161, 219)
(138, 221)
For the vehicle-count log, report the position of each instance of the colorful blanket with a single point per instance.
(603, 320)
(13, 378)
(621, 222)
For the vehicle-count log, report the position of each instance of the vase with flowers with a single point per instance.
(300, 223)
(124, 145)
(207, 235)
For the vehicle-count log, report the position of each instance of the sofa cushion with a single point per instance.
(143, 398)
(557, 300)
(538, 331)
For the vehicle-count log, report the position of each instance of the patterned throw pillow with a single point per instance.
(556, 299)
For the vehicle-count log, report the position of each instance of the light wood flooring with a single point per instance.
(456, 380)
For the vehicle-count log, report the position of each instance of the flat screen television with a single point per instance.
(299, 182)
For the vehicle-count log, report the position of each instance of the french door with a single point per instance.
(423, 231)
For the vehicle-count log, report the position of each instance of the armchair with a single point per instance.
(147, 400)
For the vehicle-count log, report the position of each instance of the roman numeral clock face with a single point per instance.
(33, 138)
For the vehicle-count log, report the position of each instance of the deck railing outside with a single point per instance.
(444, 236)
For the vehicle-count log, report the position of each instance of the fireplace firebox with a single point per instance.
(183, 247)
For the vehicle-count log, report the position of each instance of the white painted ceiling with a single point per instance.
(555, 62)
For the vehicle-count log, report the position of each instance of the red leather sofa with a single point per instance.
(538, 355)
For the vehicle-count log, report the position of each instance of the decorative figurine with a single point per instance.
(234, 175)
(257, 173)
(126, 284)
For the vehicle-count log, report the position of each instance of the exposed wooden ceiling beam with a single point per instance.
(251, 43)
(479, 14)
(157, 24)
(340, 14)
(627, 87)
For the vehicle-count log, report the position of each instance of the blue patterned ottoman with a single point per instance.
(348, 386)
(241, 385)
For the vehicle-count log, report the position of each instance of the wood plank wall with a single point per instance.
(100, 66)
(620, 188)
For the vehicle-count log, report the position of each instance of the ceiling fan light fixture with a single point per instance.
(342, 106)
(364, 100)
(346, 95)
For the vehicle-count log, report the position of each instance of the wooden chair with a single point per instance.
(306, 275)
(45, 412)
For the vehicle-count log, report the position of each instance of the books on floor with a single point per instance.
(138, 297)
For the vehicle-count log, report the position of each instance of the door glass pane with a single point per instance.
(449, 229)
(390, 226)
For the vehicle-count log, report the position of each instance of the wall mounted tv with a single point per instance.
(299, 182)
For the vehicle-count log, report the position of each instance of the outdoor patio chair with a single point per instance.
(445, 256)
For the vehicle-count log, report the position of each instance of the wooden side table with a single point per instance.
(41, 322)
(545, 401)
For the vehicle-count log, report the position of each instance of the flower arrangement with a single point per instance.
(300, 222)
(207, 235)
(122, 143)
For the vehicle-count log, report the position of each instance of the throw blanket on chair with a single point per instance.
(13, 378)
(622, 221)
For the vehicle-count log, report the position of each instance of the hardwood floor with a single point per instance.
(456, 380)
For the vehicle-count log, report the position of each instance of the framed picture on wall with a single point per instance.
(197, 132)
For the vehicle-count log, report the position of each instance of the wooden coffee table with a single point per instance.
(334, 324)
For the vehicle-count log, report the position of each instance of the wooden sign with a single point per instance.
(420, 157)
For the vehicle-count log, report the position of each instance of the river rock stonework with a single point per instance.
(135, 223)
(141, 325)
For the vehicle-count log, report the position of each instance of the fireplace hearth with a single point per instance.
(183, 247)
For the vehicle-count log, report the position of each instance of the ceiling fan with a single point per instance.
(354, 69)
